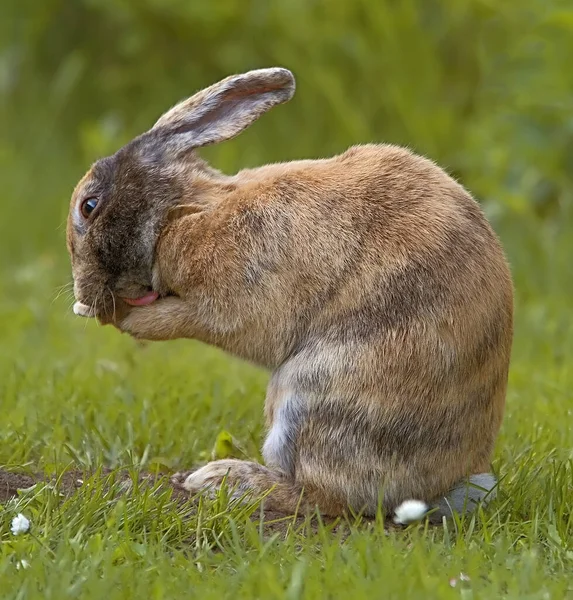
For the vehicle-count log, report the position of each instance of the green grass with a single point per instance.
(75, 395)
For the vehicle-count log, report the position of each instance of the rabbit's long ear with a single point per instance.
(224, 109)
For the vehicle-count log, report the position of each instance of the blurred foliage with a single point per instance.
(482, 87)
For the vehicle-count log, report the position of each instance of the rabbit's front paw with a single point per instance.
(162, 320)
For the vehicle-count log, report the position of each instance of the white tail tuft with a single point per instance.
(410, 511)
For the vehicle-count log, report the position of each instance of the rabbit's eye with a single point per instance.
(88, 206)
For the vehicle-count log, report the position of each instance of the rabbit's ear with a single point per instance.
(223, 110)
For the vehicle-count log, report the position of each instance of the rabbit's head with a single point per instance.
(121, 205)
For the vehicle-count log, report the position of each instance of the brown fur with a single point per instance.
(370, 284)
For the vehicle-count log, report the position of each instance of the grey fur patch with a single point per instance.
(465, 497)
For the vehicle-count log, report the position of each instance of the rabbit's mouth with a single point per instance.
(84, 310)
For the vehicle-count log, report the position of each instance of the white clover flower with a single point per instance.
(463, 577)
(410, 511)
(20, 524)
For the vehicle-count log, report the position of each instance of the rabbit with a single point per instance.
(370, 284)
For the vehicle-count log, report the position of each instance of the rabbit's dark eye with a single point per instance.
(88, 206)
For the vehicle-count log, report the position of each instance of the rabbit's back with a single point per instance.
(373, 239)
(364, 245)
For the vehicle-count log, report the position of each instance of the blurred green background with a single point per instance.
(482, 87)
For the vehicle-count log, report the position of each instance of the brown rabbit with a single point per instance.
(370, 284)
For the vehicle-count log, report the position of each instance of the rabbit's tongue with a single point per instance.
(143, 300)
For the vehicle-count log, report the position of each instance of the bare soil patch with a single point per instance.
(70, 481)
